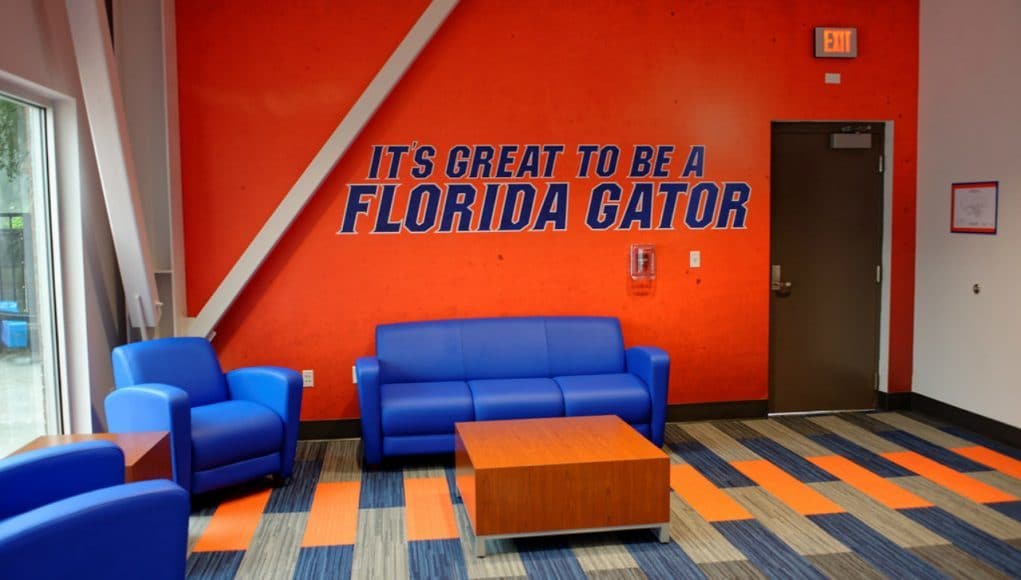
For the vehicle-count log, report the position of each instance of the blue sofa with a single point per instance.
(426, 376)
(65, 512)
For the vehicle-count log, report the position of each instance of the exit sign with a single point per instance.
(836, 42)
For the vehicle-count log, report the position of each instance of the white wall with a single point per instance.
(35, 46)
(967, 346)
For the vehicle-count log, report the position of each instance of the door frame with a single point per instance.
(883, 364)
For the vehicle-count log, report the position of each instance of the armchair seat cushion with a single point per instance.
(231, 431)
(425, 408)
(516, 399)
(621, 394)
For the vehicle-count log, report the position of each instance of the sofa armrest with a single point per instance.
(155, 407)
(652, 365)
(35, 478)
(367, 372)
(135, 530)
(279, 389)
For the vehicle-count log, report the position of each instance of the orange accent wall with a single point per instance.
(264, 83)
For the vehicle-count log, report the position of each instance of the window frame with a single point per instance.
(70, 353)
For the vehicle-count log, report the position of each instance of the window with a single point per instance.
(29, 401)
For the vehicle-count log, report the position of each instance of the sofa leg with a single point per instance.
(277, 480)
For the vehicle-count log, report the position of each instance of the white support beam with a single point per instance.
(105, 109)
(177, 264)
(321, 166)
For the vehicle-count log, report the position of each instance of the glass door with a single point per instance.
(29, 402)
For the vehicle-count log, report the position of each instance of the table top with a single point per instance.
(553, 441)
(134, 445)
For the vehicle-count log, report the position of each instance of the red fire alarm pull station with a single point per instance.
(831, 42)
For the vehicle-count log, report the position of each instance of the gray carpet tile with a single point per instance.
(794, 529)
(697, 537)
(380, 549)
(981, 516)
(737, 570)
(919, 429)
(846, 565)
(957, 563)
(723, 445)
(273, 552)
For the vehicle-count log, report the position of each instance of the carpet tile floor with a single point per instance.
(866, 495)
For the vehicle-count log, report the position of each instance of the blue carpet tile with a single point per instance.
(775, 558)
(436, 559)
(660, 560)
(1008, 508)
(969, 538)
(875, 463)
(382, 488)
(874, 548)
(213, 565)
(326, 562)
(934, 452)
(710, 464)
(867, 422)
(984, 441)
(296, 496)
(787, 460)
(549, 557)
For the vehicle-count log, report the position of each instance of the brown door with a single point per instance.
(826, 250)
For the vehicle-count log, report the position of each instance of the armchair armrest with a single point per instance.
(35, 478)
(155, 407)
(367, 371)
(126, 531)
(652, 365)
(279, 389)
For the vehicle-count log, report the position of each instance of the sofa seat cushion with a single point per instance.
(621, 394)
(516, 399)
(425, 408)
(232, 431)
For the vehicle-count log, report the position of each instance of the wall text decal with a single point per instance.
(515, 188)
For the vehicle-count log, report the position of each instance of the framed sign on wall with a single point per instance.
(973, 207)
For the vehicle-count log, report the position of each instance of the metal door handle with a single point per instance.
(776, 284)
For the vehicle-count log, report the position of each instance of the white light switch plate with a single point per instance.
(695, 259)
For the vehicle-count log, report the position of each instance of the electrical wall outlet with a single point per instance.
(354, 375)
(695, 259)
(308, 378)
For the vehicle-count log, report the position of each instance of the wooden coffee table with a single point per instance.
(146, 454)
(562, 475)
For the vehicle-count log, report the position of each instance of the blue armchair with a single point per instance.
(224, 428)
(65, 512)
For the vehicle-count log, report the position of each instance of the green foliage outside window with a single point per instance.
(12, 153)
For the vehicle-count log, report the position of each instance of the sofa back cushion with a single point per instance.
(412, 352)
(505, 348)
(189, 363)
(499, 348)
(584, 345)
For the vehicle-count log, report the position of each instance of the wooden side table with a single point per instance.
(146, 454)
